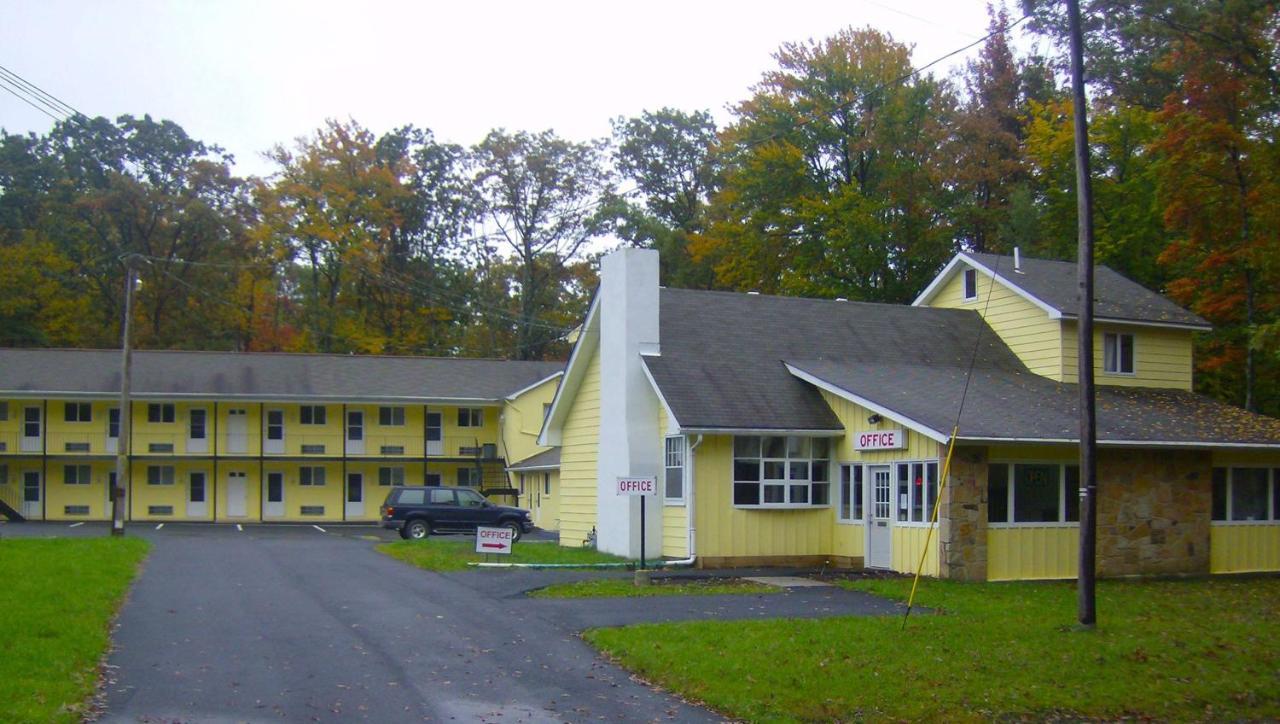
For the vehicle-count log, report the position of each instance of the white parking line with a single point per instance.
(322, 530)
(76, 525)
(239, 527)
(159, 526)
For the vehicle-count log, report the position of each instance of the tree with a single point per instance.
(541, 194)
(834, 179)
(669, 156)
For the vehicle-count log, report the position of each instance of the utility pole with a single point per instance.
(1087, 602)
(126, 377)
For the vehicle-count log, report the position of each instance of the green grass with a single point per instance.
(1168, 650)
(624, 587)
(57, 598)
(452, 555)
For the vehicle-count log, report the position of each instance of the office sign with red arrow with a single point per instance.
(495, 540)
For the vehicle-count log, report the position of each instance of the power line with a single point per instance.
(26, 100)
(45, 97)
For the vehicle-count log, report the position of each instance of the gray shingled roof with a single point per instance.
(1025, 406)
(544, 460)
(722, 353)
(1115, 297)
(267, 376)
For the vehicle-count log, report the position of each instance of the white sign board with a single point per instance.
(495, 540)
(637, 486)
(880, 440)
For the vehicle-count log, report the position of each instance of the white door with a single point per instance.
(355, 432)
(237, 432)
(197, 496)
(237, 492)
(198, 430)
(879, 517)
(274, 442)
(435, 433)
(275, 496)
(31, 494)
(31, 425)
(355, 495)
(113, 430)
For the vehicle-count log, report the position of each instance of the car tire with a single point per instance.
(416, 529)
(514, 527)
(403, 531)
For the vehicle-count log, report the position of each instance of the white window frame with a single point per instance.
(926, 507)
(856, 483)
(391, 416)
(788, 482)
(160, 475)
(969, 274)
(1116, 340)
(393, 474)
(1064, 494)
(77, 475)
(308, 414)
(311, 476)
(1273, 495)
(674, 456)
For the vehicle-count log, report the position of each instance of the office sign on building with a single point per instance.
(880, 440)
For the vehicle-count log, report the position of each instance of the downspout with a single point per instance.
(691, 517)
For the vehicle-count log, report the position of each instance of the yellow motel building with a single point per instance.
(801, 431)
(232, 438)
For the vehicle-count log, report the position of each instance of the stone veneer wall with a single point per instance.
(962, 516)
(1153, 512)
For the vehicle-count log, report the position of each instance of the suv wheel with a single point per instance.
(514, 527)
(416, 529)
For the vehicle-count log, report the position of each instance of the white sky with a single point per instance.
(246, 74)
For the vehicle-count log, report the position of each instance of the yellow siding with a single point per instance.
(1032, 553)
(1243, 548)
(908, 543)
(58, 494)
(578, 456)
(675, 518)
(1024, 327)
(143, 495)
(522, 421)
(542, 500)
(726, 531)
(1162, 357)
(409, 436)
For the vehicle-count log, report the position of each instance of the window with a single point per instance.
(309, 476)
(78, 412)
(917, 491)
(391, 476)
(198, 419)
(468, 477)
(470, 499)
(4, 410)
(443, 496)
(113, 422)
(160, 412)
(4, 474)
(1033, 493)
(391, 416)
(1117, 353)
(674, 468)
(850, 510)
(412, 496)
(470, 417)
(546, 483)
(275, 424)
(970, 284)
(159, 475)
(76, 474)
(434, 479)
(1246, 494)
(778, 471)
(312, 415)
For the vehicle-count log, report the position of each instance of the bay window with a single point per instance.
(781, 471)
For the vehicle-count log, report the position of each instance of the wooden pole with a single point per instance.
(124, 441)
(1086, 604)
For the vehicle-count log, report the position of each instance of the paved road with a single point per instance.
(303, 626)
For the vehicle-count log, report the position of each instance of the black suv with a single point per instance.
(420, 511)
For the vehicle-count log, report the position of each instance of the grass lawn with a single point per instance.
(1196, 649)
(623, 587)
(453, 555)
(58, 597)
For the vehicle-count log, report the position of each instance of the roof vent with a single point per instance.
(1017, 260)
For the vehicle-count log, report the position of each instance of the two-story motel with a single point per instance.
(786, 430)
(228, 437)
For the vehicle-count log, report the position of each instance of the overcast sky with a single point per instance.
(247, 74)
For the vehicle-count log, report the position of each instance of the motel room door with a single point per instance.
(275, 496)
(355, 495)
(355, 432)
(31, 495)
(879, 517)
(237, 492)
(197, 503)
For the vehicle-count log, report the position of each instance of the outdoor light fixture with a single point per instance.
(874, 418)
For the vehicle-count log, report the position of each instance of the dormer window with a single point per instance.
(1117, 353)
(970, 285)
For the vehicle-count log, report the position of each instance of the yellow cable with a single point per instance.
(933, 520)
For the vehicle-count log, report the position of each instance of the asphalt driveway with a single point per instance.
(310, 623)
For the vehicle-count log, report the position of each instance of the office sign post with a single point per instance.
(643, 487)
